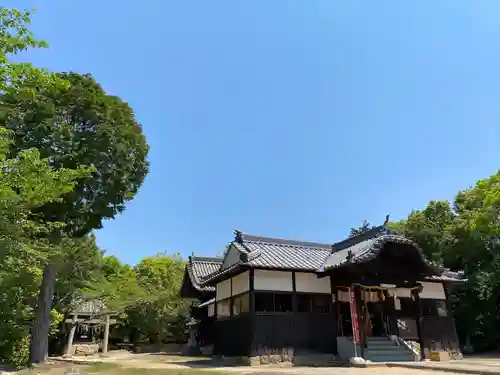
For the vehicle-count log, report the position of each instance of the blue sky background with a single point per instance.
(294, 119)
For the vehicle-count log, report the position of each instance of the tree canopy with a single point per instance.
(69, 121)
(465, 235)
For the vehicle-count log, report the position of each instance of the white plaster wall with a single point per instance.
(429, 291)
(402, 292)
(232, 257)
(432, 290)
(343, 295)
(223, 290)
(273, 280)
(223, 308)
(310, 283)
(211, 309)
(241, 283)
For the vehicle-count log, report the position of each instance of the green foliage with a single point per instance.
(15, 36)
(79, 124)
(95, 147)
(115, 285)
(26, 182)
(162, 315)
(15, 352)
(465, 235)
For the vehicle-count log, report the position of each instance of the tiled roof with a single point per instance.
(365, 247)
(447, 275)
(277, 253)
(199, 268)
(357, 248)
(285, 254)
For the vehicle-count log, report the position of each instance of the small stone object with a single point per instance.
(275, 359)
(264, 360)
(254, 361)
(357, 361)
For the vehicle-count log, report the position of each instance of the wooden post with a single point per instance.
(357, 337)
(416, 294)
(253, 323)
(106, 334)
(69, 349)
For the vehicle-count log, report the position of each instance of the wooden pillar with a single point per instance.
(253, 323)
(106, 334)
(360, 318)
(335, 314)
(390, 311)
(416, 295)
(450, 315)
(294, 309)
(71, 336)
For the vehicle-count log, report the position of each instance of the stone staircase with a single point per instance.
(382, 349)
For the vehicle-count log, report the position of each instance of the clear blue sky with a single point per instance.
(295, 119)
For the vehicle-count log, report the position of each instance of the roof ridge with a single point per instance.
(206, 259)
(282, 241)
(367, 235)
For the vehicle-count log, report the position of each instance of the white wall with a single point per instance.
(241, 283)
(232, 257)
(429, 291)
(310, 283)
(432, 290)
(273, 280)
(211, 309)
(402, 292)
(223, 290)
(223, 308)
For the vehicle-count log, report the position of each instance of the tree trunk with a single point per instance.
(71, 336)
(40, 333)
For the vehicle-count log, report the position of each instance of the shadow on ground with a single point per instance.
(194, 362)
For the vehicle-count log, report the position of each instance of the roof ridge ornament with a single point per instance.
(238, 236)
(386, 220)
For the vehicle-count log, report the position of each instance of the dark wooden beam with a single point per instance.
(251, 314)
(418, 307)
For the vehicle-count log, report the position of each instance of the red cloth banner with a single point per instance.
(354, 316)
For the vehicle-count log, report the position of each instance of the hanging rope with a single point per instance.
(374, 287)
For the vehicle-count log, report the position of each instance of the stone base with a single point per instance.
(268, 356)
(280, 357)
(82, 350)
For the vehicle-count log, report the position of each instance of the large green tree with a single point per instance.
(163, 314)
(26, 182)
(71, 120)
(465, 235)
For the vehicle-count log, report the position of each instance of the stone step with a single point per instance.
(383, 345)
(380, 351)
(385, 359)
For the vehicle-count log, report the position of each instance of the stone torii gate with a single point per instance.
(90, 314)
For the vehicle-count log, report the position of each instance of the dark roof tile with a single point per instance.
(277, 253)
(199, 268)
